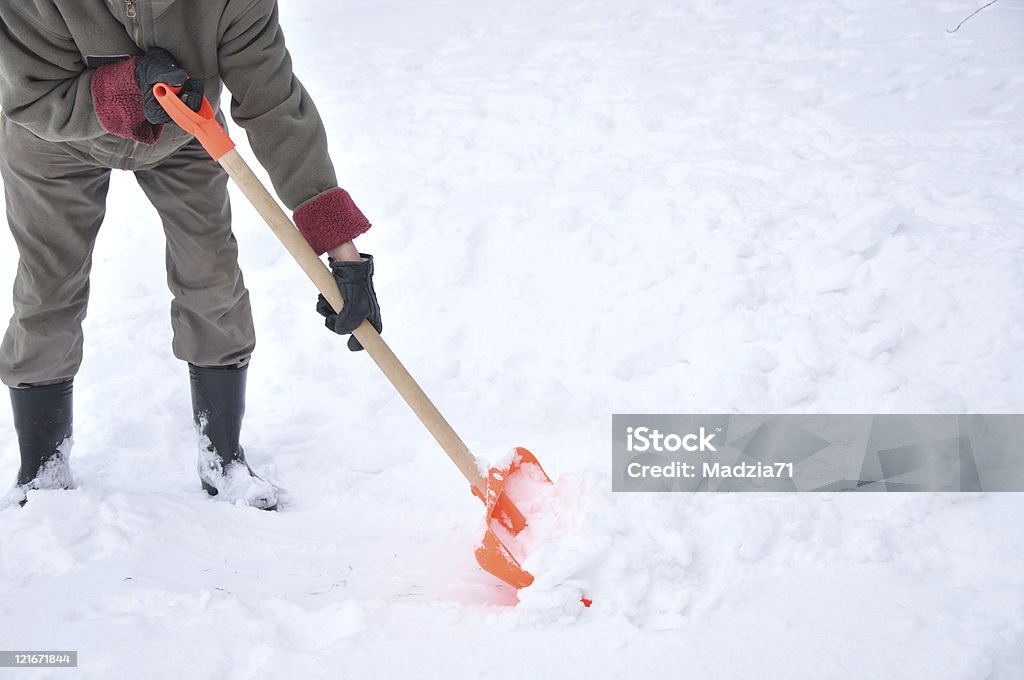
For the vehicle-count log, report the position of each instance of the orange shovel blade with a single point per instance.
(504, 520)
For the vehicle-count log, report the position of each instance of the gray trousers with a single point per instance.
(56, 200)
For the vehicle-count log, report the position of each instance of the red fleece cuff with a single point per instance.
(330, 219)
(118, 102)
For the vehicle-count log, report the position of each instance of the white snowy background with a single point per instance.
(580, 208)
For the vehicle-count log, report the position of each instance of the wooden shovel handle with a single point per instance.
(213, 139)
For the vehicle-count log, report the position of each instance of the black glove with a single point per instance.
(355, 281)
(158, 66)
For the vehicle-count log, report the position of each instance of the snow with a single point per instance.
(580, 209)
(236, 483)
(55, 473)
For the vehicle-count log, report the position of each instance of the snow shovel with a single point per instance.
(503, 519)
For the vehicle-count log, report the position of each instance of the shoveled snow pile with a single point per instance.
(665, 562)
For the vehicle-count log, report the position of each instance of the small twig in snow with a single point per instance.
(971, 15)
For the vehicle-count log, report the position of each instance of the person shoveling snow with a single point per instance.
(125, 104)
(67, 123)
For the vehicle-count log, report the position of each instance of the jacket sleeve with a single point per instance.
(270, 104)
(51, 95)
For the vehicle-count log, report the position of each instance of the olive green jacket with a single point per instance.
(50, 49)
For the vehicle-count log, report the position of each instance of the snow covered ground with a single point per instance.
(580, 208)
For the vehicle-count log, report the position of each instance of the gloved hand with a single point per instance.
(158, 66)
(355, 281)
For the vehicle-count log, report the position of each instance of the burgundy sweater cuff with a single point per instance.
(330, 219)
(118, 102)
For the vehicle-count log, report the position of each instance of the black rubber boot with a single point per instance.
(42, 419)
(218, 405)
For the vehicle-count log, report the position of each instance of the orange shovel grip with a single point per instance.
(202, 124)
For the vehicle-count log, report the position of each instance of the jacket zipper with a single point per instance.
(133, 14)
(131, 155)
